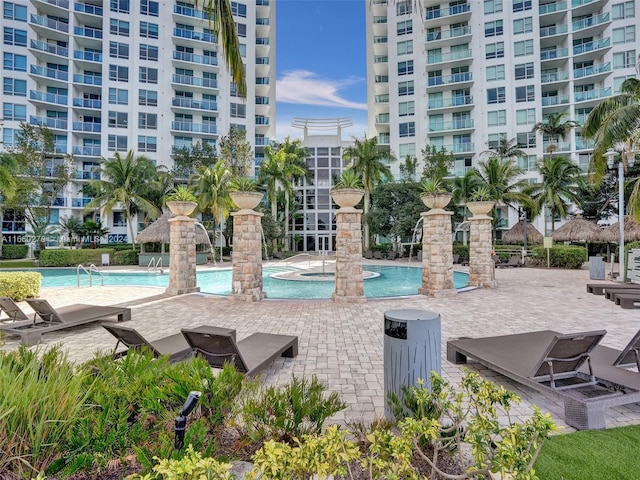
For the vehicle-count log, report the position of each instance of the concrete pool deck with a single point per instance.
(343, 344)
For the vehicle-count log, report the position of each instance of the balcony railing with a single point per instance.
(445, 12)
(86, 8)
(57, 3)
(87, 175)
(591, 46)
(555, 100)
(451, 102)
(49, 73)
(48, 97)
(590, 22)
(191, 103)
(557, 146)
(555, 53)
(579, 3)
(552, 8)
(192, 35)
(87, 79)
(80, 202)
(88, 56)
(592, 70)
(49, 48)
(87, 127)
(59, 123)
(190, 12)
(384, 138)
(382, 98)
(92, 151)
(553, 30)
(454, 78)
(190, 57)
(446, 34)
(448, 57)
(460, 147)
(194, 127)
(554, 77)
(383, 118)
(195, 81)
(48, 23)
(592, 94)
(583, 144)
(88, 32)
(454, 125)
(87, 103)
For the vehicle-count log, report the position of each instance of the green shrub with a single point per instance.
(71, 258)
(14, 251)
(20, 285)
(191, 467)
(562, 256)
(461, 250)
(125, 257)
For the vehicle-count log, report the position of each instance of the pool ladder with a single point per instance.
(90, 270)
(155, 265)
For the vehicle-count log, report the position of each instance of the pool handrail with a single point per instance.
(156, 266)
(286, 260)
(89, 271)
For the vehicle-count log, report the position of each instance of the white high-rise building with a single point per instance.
(120, 75)
(461, 74)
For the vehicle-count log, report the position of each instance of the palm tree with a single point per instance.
(560, 186)
(123, 183)
(505, 149)
(463, 188)
(72, 227)
(224, 29)
(554, 127)
(370, 163)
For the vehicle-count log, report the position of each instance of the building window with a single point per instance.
(17, 63)
(618, 81)
(524, 70)
(148, 7)
(404, 48)
(118, 119)
(405, 28)
(525, 94)
(118, 73)
(262, 80)
(13, 111)
(496, 95)
(624, 34)
(119, 27)
(623, 10)
(117, 143)
(407, 129)
(404, 68)
(148, 75)
(13, 36)
(526, 139)
(497, 118)
(13, 86)
(405, 88)
(624, 59)
(148, 97)
(494, 50)
(494, 28)
(492, 6)
(239, 9)
(238, 110)
(118, 96)
(147, 144)
(526, 116)
(406, 108)
(15, 12)
(148, 52)
(404, 7)
(148, 121)
(495, 72)
(120, 6)
(521, 5)
(118, 50)
(522, 25)
(406, 150)
(119, 220)
(148, 30)
(523, 48)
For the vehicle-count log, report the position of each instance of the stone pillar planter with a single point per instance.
(437, 254)
(182, 256)
(247, 256)
(482, 271)
(349, 277)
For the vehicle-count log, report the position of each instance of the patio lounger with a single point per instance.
(250, 355)
(611, 292)
(12, 310)
(628, 357)
(559, 364)
(599, 288)
(51, 319)
(514, 261)
(175, 346)
(627, 300)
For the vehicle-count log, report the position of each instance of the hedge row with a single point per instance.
(562, 256)
(71, 258)
(12, 252)
(20, 285)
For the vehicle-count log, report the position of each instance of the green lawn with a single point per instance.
(16, 264)
(591, 454)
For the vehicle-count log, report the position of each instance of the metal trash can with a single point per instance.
(105, 259)
(412, 349)
(596, 268)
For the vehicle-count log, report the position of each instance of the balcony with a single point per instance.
(457, 101)
(48, 97)
(57, 123)
(556, 146)
(550, 8)
(460, 147)
(194, 127)
(87, 127)
(384, 138)
(193, 35)
(448, 34)
(583, 144)
(87, 103)
(49, 48)
(381, 79)
(554, 77)
(553, 30)
(382, 98)
(447, 12)
(262, 141)
(192, 58)
(195, 81)
(80, 202)
(190, 12)
(592, 70)
(555, 100)
(592, 95)
(554, 53)
(601, 19)
(450, 79)
(50, 24)
(49, 73)
(382, 118)
(86, 174)
(87, 56)
(381, 59)
(463, 124)
(449, 57)
(87, 79)
(57, 3)
(88, 9)
(592, 46)
(184, 102)
(88, 32)
(87, 151)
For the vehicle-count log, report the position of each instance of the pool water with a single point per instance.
(392, 282)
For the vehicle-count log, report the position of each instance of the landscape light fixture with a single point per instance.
(181, 420)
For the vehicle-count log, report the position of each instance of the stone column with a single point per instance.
(482, 269)
(247, 256)
(182, 256)
(349, 277)
(437, 254)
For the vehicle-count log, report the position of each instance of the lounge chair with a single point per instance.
(627, 300)
(250, 355)
(628, 357)
(599, 288)
(51, 319)
(175, 346)
(558, 364)
(12, 310)
(514, 261)
(377, 255)
(391, 255)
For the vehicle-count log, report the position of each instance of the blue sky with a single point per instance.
(321, 63)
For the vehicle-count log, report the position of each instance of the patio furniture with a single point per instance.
(559, 364)
(51, 319)
(250, 355)
(627, 300)
(12, 310)
(599, 288)
(174, 346)
(514, 261)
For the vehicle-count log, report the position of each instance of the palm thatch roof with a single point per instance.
(631, 231)
(578, 230)
(160, 232)
(516, 234)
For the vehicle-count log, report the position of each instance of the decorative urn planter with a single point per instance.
(347, 197)
(181, 208)
(436, 201)
(245, 200)
(480, 207)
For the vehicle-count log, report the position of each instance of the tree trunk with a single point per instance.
(285, 244)
(130, 222)
(367, 240)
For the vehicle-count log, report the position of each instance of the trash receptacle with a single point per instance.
(105, 259)
(596, 268)
(412, 349)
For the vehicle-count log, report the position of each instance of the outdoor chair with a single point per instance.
(599, 288)
(391, 255)
(559, 364)
(250, 355)
(12, 310)
(174, 346)
(514, 261)
(377, 255)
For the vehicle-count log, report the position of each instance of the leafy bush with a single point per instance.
(71, 258)
(191, 467)
(562, 256)
(20, 285)
(461, 250)
(14, 251)
(125, 257)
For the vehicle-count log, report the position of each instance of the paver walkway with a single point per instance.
(343, 344)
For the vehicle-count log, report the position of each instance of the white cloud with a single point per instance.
(305, 87)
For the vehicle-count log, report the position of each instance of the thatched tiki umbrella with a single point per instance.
(631, 231)
(579, 230)
(516, 234)
(160, 232)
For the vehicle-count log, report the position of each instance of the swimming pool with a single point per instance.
(392, 281)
